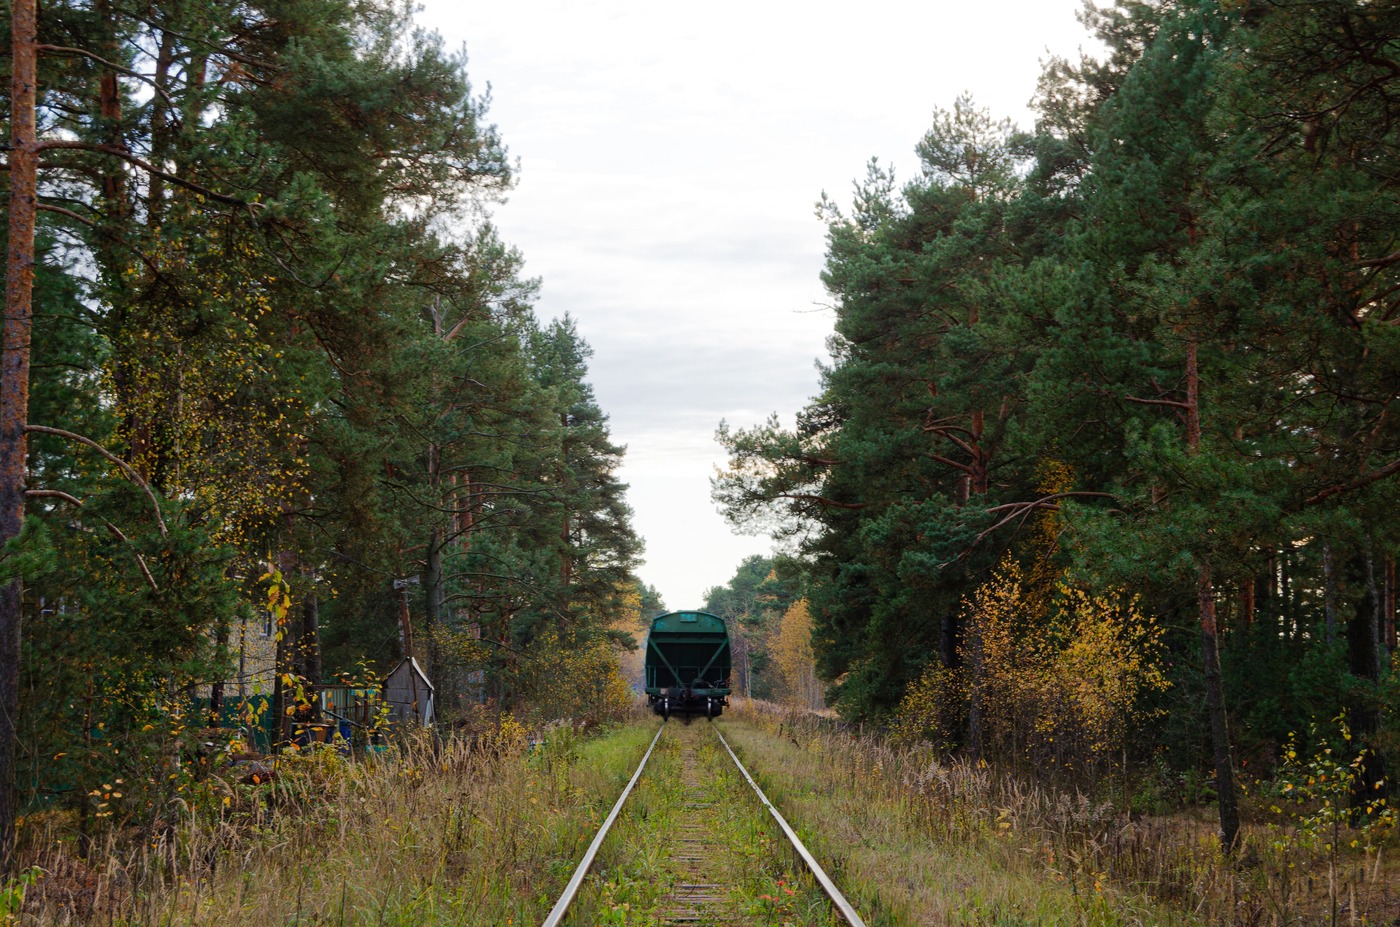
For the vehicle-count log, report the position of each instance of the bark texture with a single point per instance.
(14, 384)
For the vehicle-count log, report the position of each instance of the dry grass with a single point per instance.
(482, 830)
(925, 841)
(467, 831)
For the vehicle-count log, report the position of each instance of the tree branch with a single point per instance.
(1023, 510)
(948, 461)
(116, 532)
(148, 167)
(1361, 482)
(966, 447)
(1171, 403)
(1041, 502)
(53, 494)
(820, 500)
(1386, 261)
(45, 207)
(111, 64)
(125, 467)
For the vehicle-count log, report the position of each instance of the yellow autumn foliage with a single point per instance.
(931, 709)
(207, 409)
(792, 653)
(630, 620)
(576, 680)
(1103, 655)
(1054, 677)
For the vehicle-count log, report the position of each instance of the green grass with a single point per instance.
(482, 831)
(749, 856)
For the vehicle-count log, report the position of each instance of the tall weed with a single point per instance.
(475, 828)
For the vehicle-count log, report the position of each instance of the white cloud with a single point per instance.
(671, 156)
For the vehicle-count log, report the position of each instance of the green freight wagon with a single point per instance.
(687, 664)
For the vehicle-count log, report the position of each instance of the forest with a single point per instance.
(264, 355)
(1099, 487)
(1102, 472)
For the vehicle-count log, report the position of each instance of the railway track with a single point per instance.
(699, 894)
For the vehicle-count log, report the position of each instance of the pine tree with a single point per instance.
(252, 186)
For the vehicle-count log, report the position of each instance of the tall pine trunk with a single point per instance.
(1388, 606)
(435, 593)
(1210, 644)
(1219, 723)
(1364, 662)
(434, 575)
(14, 385)
(311, 633)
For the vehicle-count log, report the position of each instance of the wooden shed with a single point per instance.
(409, 694)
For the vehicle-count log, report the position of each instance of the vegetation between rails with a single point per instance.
(747, 855)
(485, 828)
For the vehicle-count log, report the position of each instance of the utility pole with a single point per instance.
(406, 635)
(405, 626)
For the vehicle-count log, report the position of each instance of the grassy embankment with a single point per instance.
(475, 833)
(917, 840)
(486, 832)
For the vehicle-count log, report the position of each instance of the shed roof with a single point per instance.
(408, 665)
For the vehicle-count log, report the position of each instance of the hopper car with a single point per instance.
(688, 664)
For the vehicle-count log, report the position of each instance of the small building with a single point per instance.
(409, 694)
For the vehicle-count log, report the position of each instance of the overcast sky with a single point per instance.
(670, 159)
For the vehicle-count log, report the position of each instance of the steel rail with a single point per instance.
(828, 886)
(561, 907)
